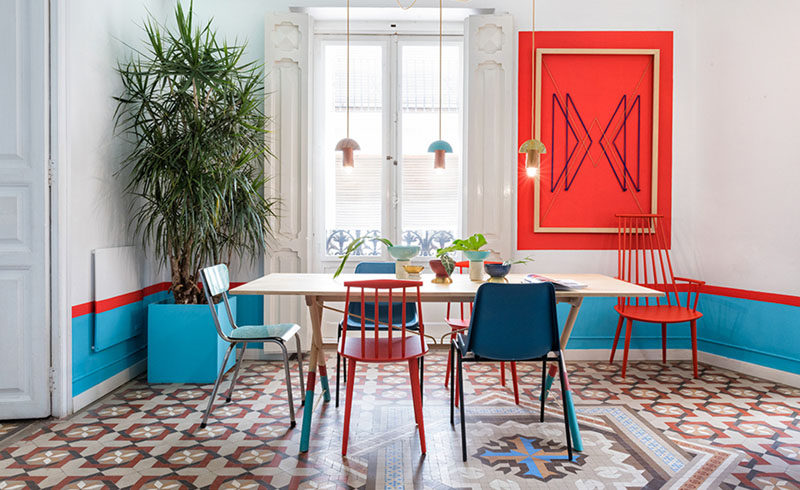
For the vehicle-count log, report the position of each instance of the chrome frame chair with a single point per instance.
(216, 282)
(523, 312)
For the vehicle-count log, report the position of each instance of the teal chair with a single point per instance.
(510, 322)
(216, 282)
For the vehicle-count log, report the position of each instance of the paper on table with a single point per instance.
(559, 284)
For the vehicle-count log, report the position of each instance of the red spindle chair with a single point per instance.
(393, 347)
(643, 258)
(461, 323)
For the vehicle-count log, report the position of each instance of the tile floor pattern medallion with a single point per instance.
(657, 428)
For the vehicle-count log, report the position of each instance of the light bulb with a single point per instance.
(348, 169)
(531, 171)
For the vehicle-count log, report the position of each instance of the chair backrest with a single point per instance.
(216, 281)
(383, 307)
(373, 290)
(513, 322)
(643, 256)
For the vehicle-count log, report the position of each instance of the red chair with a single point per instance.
(462, 323)
(643, 259)
(390, 348)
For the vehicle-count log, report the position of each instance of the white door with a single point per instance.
(24, 284)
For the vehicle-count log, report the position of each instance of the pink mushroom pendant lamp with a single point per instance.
(347, 145)
(532, 148)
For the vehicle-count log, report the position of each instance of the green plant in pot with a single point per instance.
(192, 110)
(472, 248)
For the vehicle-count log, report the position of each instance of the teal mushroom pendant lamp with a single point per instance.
(532, 148)
(440, 147)
(347, 145)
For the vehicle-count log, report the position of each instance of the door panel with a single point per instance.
(24, 286)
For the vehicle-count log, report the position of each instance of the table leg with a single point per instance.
(577, 442)
(317, 359)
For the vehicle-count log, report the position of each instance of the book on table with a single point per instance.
(559, 284)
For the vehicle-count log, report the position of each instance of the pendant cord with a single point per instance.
(347, 110)
(533, 69)
(440, 68)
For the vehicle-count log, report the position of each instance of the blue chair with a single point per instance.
(354, 320)
(510, 322)
(216, 283)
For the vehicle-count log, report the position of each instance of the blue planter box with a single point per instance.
(183, 345)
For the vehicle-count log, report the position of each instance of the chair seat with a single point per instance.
(381, 350)
(283, 331)
(658, 313)
(455, 324)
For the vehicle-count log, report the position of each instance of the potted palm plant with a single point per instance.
(193, 112)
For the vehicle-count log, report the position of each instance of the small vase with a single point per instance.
(476, 270)
(399, 269)
(442, 277)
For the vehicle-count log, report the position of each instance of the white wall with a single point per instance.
(747, 219)
(98, 211)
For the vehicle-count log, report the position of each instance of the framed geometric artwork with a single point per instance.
(604, 113)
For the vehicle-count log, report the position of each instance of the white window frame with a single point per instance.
(390, 221)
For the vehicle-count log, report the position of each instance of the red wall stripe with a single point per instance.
(124, 299)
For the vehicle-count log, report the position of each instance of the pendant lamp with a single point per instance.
(532, 148)
(347, 145)
(440, 147)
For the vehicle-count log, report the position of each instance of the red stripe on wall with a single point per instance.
(156, 288)
(117, 301)
(782, 299)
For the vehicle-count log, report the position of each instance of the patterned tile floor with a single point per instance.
(656, 428)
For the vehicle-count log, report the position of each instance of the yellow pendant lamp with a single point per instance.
(347, 145)
(440, 147)
(532, 148)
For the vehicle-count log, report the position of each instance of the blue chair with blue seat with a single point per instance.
(216, 282)
(354, 319)
(510, 322)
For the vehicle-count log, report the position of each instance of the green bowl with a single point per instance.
(476, 255)
(403, 252)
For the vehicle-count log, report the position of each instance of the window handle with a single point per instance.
(394, 162)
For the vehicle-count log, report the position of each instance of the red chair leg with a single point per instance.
(663, 343)
(416, 395)
(616, 339)
(514, 382)
(351, 364)
(503, 373)
(628, 332)
(693, 325)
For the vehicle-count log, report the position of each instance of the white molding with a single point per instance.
(287, 47)
(750, 369)
(108, 385)
(489, 136)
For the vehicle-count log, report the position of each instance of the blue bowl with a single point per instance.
(497, 270)
(403, 252)
(476, 255)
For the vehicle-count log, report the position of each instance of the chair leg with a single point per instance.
(416, 394)
(541, 397)
(292, 424)
(461, 397)
(616, 339)
(693, 326)
(450, 368)
(628, 332)
(514, 382)
(562, 376)
(300, 367)
(663, 343)
(338, 361)
(348, 404)
(216, 386)
(236, 373)
(449, 364)
(502, 373)
(421, 378)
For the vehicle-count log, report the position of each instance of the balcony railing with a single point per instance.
(428, 241)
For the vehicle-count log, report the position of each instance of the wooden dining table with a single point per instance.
(321, 288)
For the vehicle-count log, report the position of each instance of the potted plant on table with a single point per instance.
(472, 248)
(193, 112)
